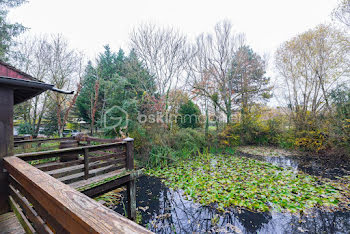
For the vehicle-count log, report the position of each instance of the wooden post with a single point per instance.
(131, 189)
(86, 164)
(131, 185)
(129, 153)
(6, 142)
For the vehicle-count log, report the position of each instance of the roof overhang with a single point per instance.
(24, 89)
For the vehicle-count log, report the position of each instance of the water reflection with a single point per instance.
(319, 166)
(166, 211)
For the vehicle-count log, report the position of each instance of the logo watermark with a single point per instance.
(117, 117)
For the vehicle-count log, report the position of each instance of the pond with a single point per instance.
(166, 211)
(327, 167)
(163, 210)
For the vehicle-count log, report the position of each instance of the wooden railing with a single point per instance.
(40, 140)
(47, 144)
(93, 160)
(50, 206)
(39, 144)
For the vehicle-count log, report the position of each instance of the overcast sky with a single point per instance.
(89, 25)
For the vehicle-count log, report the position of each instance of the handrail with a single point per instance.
(41, 140)
(54, 153)
(74, 211)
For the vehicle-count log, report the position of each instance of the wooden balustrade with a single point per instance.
(41, 140)
(50, 206)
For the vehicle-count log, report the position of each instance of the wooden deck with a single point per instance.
(53, 196)
(10, 224)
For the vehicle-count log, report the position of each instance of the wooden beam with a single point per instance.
(99, 171)
(131, 193)
(96, 179)
(111, 185)
(86, 164)
(6, 142)
(41, 140)
(58, 165)
(108, 156)
(73, 210)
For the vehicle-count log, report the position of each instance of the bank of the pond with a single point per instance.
(328, 166)
(164, 210)
(232, 181)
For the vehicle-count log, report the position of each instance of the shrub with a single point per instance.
(189, 140)
(286, 140)
(25, 128)
(311, 140)
(189, 114)
(229, 137)
(160, 156)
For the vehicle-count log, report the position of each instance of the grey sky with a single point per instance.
(89, 25)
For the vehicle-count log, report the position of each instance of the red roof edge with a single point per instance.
(10, 71)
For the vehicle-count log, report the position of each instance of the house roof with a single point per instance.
(24, 85)
(7, 70)
(24, 89)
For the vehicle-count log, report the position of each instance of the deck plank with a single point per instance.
(96, 172)
(10, 224)
(96, 179)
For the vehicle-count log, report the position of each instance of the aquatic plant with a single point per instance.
(228, 181)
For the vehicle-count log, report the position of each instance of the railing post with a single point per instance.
(129, 153)
(131, 185)
(86, 164)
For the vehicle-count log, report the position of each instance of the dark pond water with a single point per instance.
(327, 167)
(164, 210)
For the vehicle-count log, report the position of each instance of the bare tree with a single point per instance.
(211, 66)
(342, 12)
(33, 55)
(162, 51)
(65, 72)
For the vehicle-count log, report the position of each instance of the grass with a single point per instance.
(229, 181)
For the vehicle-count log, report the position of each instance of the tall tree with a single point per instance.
(123, 82)
(342, 12)
(250, 81)
(33, 56)
(163, 53)
(8, 31)
(310, 65)
(65, 72)
(212, 65)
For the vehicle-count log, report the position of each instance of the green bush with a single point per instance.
(25, 128)
(160, 156)
(188, 139)
(286, 140)
(189, 115)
